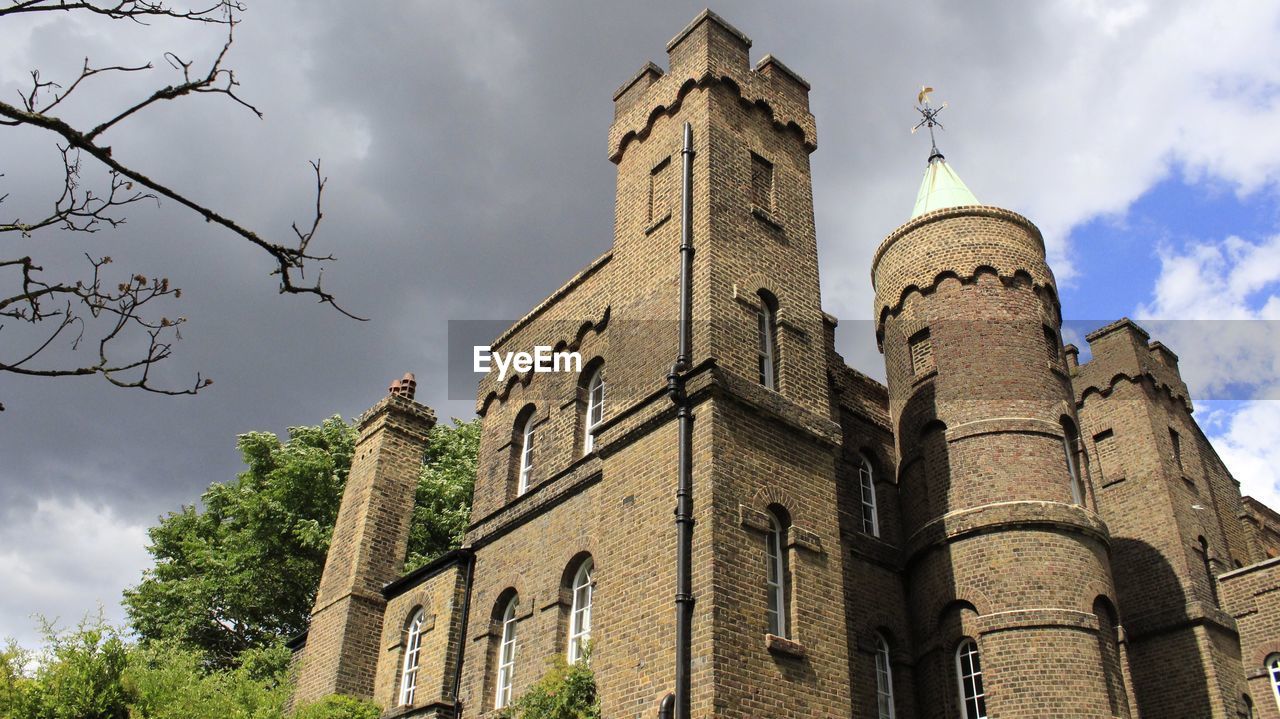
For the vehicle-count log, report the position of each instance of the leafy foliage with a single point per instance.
(92, 672)
(442, 503)
(242, 572)
(566, 691)
(77, 676)
(165, 681)
(339, 706)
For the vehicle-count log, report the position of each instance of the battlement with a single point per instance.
(1124, 350)
(710, 50)
(955, 242)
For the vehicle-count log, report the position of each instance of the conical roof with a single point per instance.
(941, 187)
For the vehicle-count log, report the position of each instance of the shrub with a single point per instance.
(567, 691)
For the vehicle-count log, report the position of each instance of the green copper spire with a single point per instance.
(941, 186)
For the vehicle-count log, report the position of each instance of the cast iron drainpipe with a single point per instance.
(680, 701)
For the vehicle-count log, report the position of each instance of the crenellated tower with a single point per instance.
(1006, 560)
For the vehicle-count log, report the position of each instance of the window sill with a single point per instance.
(784, 646)
(924, 376)
(653, 226)
(1112, 482)
(766, 217)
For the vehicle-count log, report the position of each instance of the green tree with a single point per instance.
(242, 571)
(442, 503)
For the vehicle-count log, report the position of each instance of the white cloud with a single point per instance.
(63, 560)
(1249, 443)
(1216, 305)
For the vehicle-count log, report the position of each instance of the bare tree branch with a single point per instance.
(67, 308)
(136, 10)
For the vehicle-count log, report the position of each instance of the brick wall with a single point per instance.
(367, 551)
(1250, 596)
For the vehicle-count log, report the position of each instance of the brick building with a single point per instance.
(1000, 531)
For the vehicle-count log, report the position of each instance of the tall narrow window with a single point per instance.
(412, 653)
(507, 655)
(580, 612)
(761, 182)
(1273, 675)
(866, 480)
(1051, 344)
(1070, 443)
(1176, 441)
(1208, 570)
(526, 455)
(973, 700)
(1246, 707)
(921, 347)
(776, 574)
(661, 185)
(595, 410)
(767, 321)
(884, 679)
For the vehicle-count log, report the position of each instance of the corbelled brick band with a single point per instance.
(370, 539)
(998, 549)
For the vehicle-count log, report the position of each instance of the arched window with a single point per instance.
(507, 655)
(580, 612)
(1273, 675)
(767, 321)
(973, 700)
(884, 679)
(595, 409)
(412, 653)
(1246, 707)
(866, 480)
(1070, 443)
(776, 573)
(526, 454)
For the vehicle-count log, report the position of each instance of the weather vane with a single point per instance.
(929, 118)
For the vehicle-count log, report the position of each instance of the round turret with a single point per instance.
(1007, 562)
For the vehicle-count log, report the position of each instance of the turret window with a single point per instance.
(1070, 446)
(761, 183)
(973, 699)
(661, 191)
(866, 481)
(412, 655)
(921, 348)
(1052, 346)
(767, 330)
(1208, 569)
(1176, 443)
